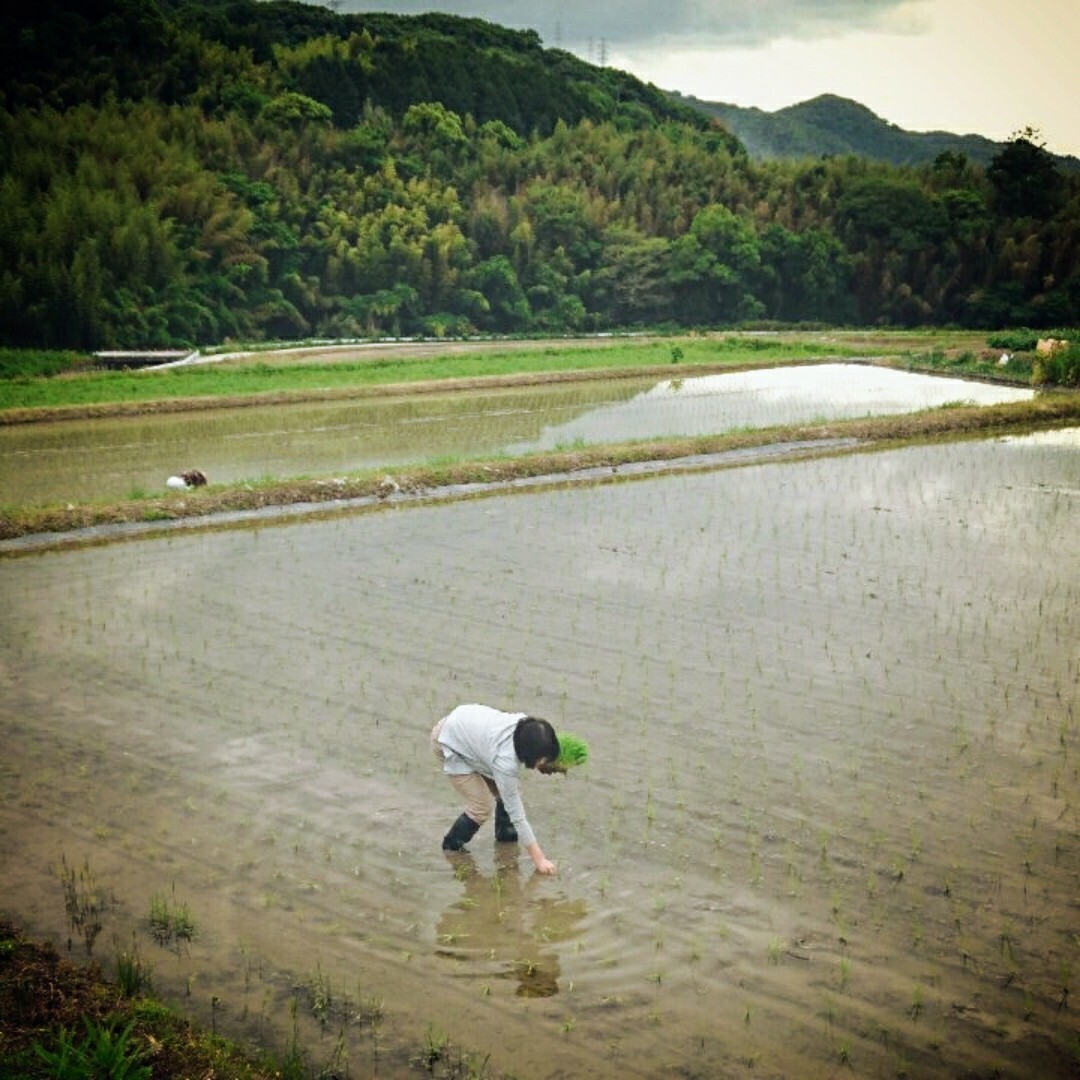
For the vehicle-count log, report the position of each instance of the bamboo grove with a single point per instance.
(190, 174)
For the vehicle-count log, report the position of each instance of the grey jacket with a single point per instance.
(480, 739)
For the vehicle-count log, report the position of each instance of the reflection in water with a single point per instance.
(1068, 437)
(503, 929)
(714, 404)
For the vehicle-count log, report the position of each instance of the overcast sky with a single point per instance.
(986, 67)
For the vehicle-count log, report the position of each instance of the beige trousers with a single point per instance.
(477, 792)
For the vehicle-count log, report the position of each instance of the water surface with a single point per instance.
(711, 404)
(828, 828)
(79, 461)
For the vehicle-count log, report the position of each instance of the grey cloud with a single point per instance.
(640, 22)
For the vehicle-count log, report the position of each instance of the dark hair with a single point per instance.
(535, 739)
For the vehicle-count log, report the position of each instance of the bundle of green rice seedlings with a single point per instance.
(572, 751)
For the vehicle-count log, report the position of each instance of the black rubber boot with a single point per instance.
(461, 832)
(504, 828)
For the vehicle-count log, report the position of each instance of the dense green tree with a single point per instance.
(386, 311)
(714, 266)
(562, 219)
(1025, 178)
(184, 171)
(434, 137)
(634, 285)
(805, 276)
(502, 304)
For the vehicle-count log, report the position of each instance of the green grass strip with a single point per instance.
(230, 379)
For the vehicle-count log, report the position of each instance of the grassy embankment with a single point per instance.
(260, 380)
(254, 381)
(48, 1003)
(51, 386)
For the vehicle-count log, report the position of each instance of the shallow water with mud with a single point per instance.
(113, 458)
(829, 820)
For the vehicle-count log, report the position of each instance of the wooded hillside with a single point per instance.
(187, 173)
(829, 125)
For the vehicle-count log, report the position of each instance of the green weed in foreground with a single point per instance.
(132, 975)
(58, 1019)
(103, 1054)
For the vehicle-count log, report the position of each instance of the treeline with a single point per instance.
(186, 174)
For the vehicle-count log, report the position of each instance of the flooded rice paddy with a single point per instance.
(829, 824)
(102, 460)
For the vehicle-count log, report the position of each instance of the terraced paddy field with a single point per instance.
(828, 824)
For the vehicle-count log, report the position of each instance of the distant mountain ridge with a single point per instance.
(829, 125)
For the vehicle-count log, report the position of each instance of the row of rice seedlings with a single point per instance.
(661, 811)
(170, 921)
(915, 849)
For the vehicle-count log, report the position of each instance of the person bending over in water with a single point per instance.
(481, 750)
